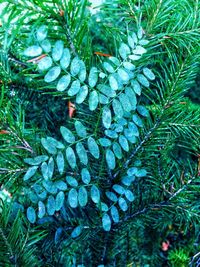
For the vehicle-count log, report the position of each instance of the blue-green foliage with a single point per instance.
(65, 174)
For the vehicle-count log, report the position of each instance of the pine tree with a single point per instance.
(99, 144)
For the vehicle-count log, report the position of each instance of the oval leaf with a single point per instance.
(93, 100)
(106, 117)
(82, 196)
(95, 194)
(106, 222)
(31, 171)
(82, 153)
(93, 147)
(31, 215)
(73, 198)
(67, 135)
(59, 200)
(52, 74)
(63, 83)
(110, 158)
(71, 158)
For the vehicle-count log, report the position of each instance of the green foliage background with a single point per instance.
(166, 206)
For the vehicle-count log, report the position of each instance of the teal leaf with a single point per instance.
(71, 181)
(143, 111)
(106, 117)
(132, 171)
(46, 45)
(37, 160)
(52, 141)
(117, 150)
(111, 134)
(135, 39)
(93, 100)
(111, 196)
(134, 57)
(74, 89)
(128, 66)
(143, 80)
(45, 63)
(51, 205)
(136, 119)
(123, 75)
(139, 50)
(95, 194)
(33, 51)
(67, 135)
(82, 153)
(117, 108)
(93, 147)
(131, 42)
(77, 232)
(115, 214)
(122, 204)
(31, 215)
(117, 127)
(110, 158)
(124, 143)
(75, 66)
(33, 197)
(104, 142)
(108, 67)
(60, 162)
(73, 198)
(60, 185)
(50, 168)
(129, 134)
(136, 87)
(63, 83)
(82, 196)
(103, 99)
(80, 129)
(122, 121)
(124, 100)
(106, 90)
(127, 180)
(133, 128)
(106, 222)
(149, 74)
(129, 195)
(113, 82)
(118, 188)
(115, 61)
(82, 73)
(140, 33)
(82, 94)
(71, 158)
(131, 97)
(41, 209)
(124, 50)
(143, 42)
(65, 59)
(52, 74)
(44, 170)
(141, 173)
(93, 77)
(50, 187)
(59, 200)
(41, 33)
(85, 176)
(31, 171)
(103, 206)
(57, 50)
